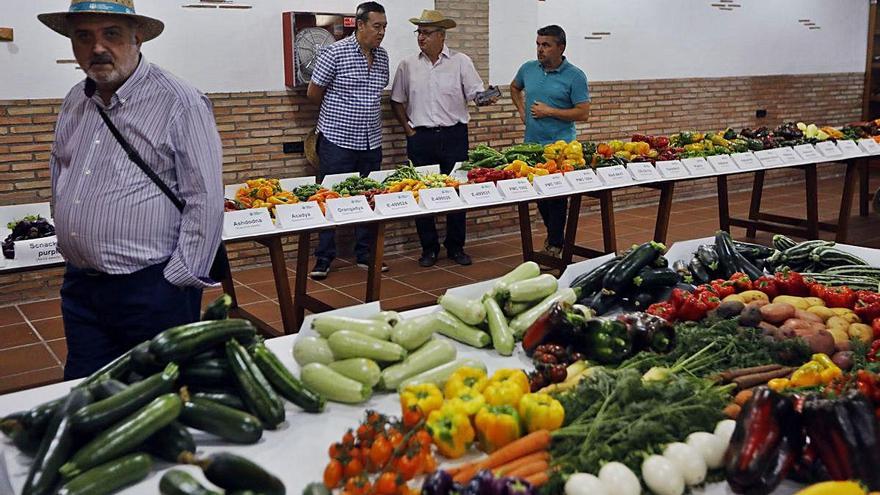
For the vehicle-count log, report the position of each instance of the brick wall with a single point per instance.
(253, 127)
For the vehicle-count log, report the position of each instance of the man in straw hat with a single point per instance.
(136, 264)
(430, 96)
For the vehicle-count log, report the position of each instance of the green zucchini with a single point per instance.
(830, 256)
(107, 388)
(591, 281)
(334, 386)
(225, 398)
(182, 342)
(801, 252)
(208, 373)
(218, 309)
(11, 422)
(854, 270)
(781, 242)
(752, 251)
(110, 477)
(316, 489)
(524, 320)
(452, 327)
(284, 382)
(650, 278)
(853, 282)
(392, 318)
(37, 418)
(502, 337)
(225, 422)
(117, 369)
(174, 443)
(231, 472)
(56, 446)
(125, 436)
(439, 375)
(348, 344)
(512, 309)
(470, 311)
(100, 415)
(26, 440)
(431, 355)
(524, 271)
(412, 333)
(143, 361)
(363, 370)
(308, 349)
(533, 289)
(327, 325)
(259, 396)
(620, 276)
(179, 482)
(218, 352)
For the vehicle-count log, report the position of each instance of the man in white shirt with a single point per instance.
(430, 96)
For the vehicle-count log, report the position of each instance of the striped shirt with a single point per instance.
(351, 113)
(109, 216)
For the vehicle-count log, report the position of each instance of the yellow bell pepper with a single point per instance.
(506, 393)
(514, 375)
(808, 375)
(833, 488)
(450, 430)
(469, 400)
(779, 384)
(425, 397)
(465, 378)
(541, 412)
(496, 427)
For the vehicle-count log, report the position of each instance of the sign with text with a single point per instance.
(583, 180)
(643, 171)
(672, 169)
(380, 175)
(614, 176)
(788, 156)
(746, 161)
(869, 146)
(300, 215)
(44, 250)
(768, 158)
(439, 198)
(849, 148)
(829, 150)
(247, 222)
(723, 164)
(697, 166)
(399, 203)
(333, 179)
(479, 194)
(551, 184)
(349, 209)
(519, 188)
(292, 183)
(428, 169)
(808, 153)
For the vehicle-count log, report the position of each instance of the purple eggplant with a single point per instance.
(481, 484)
(438, 483)
(512, 486)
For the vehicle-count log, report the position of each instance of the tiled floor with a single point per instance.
(32, 345)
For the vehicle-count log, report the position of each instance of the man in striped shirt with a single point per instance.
(348, 82)
(135, 264)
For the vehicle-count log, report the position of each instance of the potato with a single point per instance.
(750, 317)
(806, 315)
(841, 311)
(837, 322)
(729, 309)
(840, 336)
(861, 331)
(777, 313)
(850, 317)
(821, 312)
(797, 302)
(843, 360)
(843, 346)
(769, 329)
(733, 297)
(753, 295)
(758, 303)
(821, 342)
(815, 301)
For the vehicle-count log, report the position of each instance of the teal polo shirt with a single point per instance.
(563, 87)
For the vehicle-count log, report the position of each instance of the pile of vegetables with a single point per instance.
(262, 193)
(356, 185)
(28, 228)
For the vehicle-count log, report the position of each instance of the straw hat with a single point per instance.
(149, 28)
(433, 18)
(311, 149)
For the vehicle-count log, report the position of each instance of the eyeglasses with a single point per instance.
(426, 32)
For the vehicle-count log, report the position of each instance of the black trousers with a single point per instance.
(444, 146)
(553, 212)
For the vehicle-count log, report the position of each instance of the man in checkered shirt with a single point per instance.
(348, 82)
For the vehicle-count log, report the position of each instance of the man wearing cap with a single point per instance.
(348, 82)
(136, 264)
(430, 96)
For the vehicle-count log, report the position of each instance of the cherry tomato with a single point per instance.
(365, 433)
(424, 438)
(357, 486)
(395, 437)
(411, 417)
(333, 474)
(429, 462)
(408, 466)
(354, 467)
(380, 452)
(335, 450)
(348, 438)
(386, 484)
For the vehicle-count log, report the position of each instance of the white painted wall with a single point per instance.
(218, 50)
(660, 39)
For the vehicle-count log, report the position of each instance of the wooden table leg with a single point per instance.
(525, 231)
(374, 275)
(664, 209)
(846, 201)
(609, 233)
(302, 278)
(282, 284)
(755, 207)
(574, 211)
(864, 184)
(723, 204)
(812, 191)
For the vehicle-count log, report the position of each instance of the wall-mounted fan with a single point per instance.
(307, 46)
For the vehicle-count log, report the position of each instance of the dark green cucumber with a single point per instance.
(227, 399)
(752, 251)
(708, 257)
(603, 301)
(179, 482)
(110, 477)
(620, 276)
(650, 278)
(728, 262)
(218, 309)
(287, 385)
(143, 361)
(234, 473)
(107, 388)
(102, 414)
(747, 266)
(173, 443)
(125, 436)
(698, 271)
(56, 447)
(118, 369)
(184, 341)
(11, 422)
(781, 242)
(256, 391)
(27, 441)
(208, 372)
(218, 352)
(223, 421)
(592, 281)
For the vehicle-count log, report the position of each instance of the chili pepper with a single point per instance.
(451, 430)
(425, 397)
(867, 306)
(741, 282)
(604, 340)
(466, 377)
(497, 426)
(503, 393)
(791, 283)
(665, 310)
(768, 285)
(839, 297)
(540, 412)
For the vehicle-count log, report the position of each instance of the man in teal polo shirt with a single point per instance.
(556, 96)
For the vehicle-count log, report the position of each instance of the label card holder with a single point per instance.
(643, 172)
(768, 158)
(247, 222)
(439, 198)
(551, 184)
(672, 169)
(519, 188)
(697, 166)
(849, 148)
(723, 164)
(788, 156)
(400, 203)
(829, 150)
(869, 146)
(479, 194)
(808, 153)
(746, 161)
(614, 176)
(349, 209)
(300, 215)
(583, 180)
(33, 251)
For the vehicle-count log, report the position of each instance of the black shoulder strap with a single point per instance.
(136, 158)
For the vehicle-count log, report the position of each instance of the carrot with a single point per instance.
(538, 479)
(529, 469)
(743, 396)
(542, 455)
(531, 443)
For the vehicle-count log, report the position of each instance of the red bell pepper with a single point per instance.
(792, 283)
(867, 306)
(678, 296)
(768, 285)
(665, 310)
(722, 288)
(874, 352)
(839, 297)
(741, 282)
(711, 300)
(875, 326)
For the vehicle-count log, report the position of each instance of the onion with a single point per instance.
(618, 476)
(584, 484)
(709, 446)
(661, 476)
(689, 462)
(724, 430)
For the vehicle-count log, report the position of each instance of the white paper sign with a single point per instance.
(768, 158)
(722, 164)
(44, 250)
(672, 169)
(697, 166)
(519, 188)
(614, 176)
(808, 153)
(428, 169)
(380, 175)
(643, 171)
(247, 222)
(348, 209)
(746, 161)
(479, 194)
(583, 180)
(299, 215)
(869, 146)
(293, 182)
(829, 150)
(439, 198)
(399, 203)
(849, 148)
(551, 184)
(788, 156)
(333, 179)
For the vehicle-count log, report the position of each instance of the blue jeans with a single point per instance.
(338, 160)
(106, 315)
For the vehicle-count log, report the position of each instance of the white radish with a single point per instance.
(709, 446)
(724, 431)
(689, 462)
(661, 476)
(620, 478)
(585, 484)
